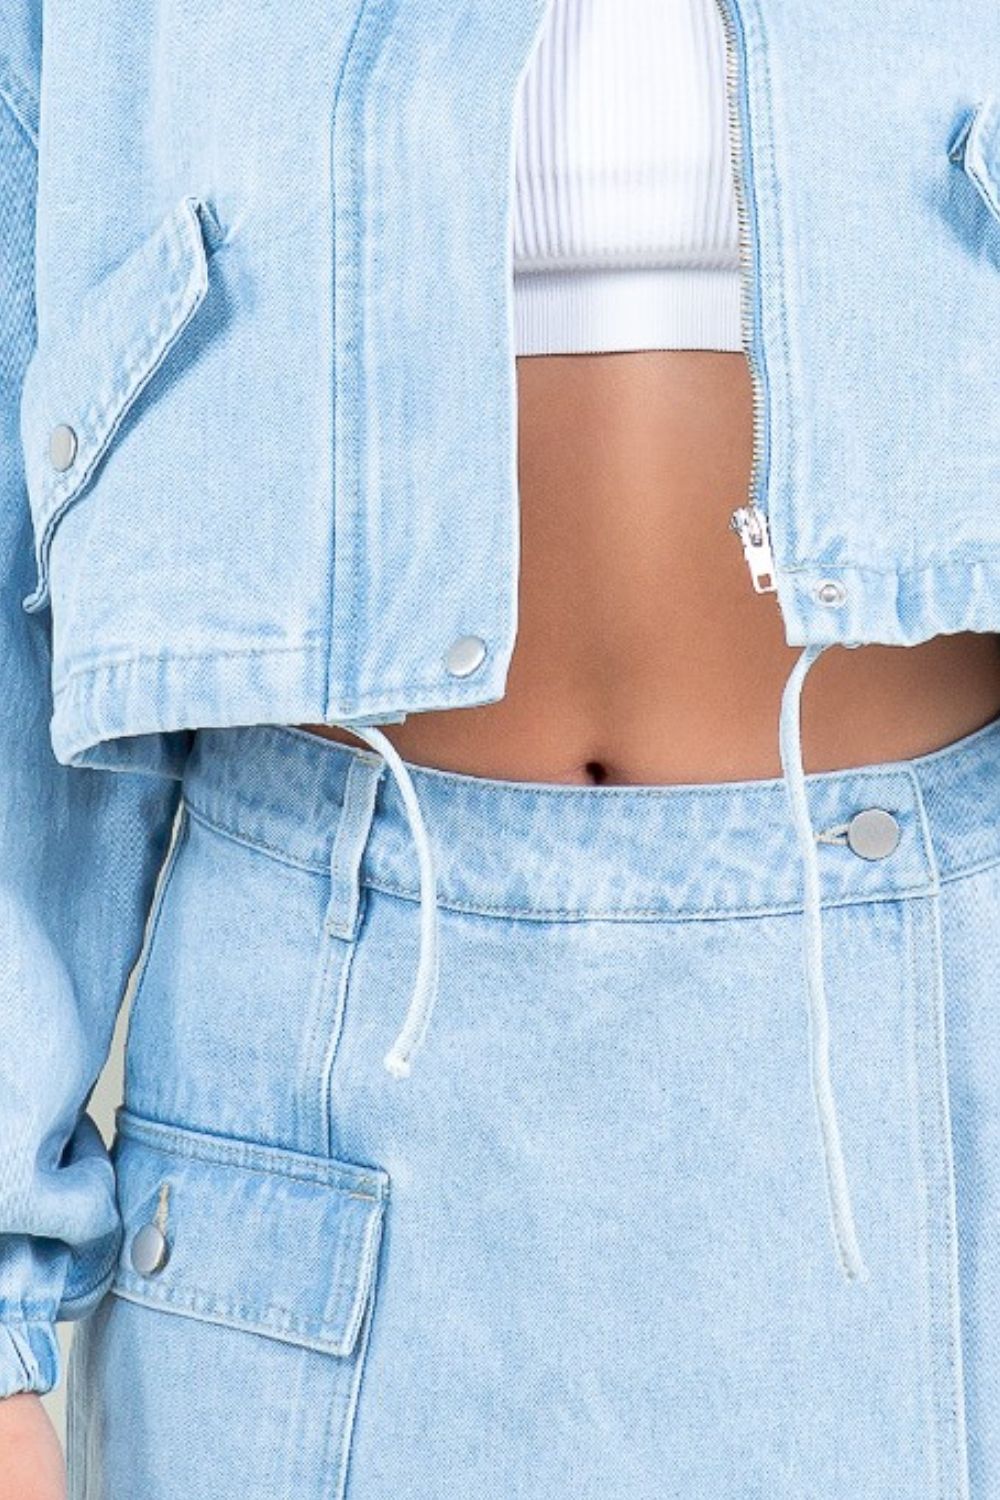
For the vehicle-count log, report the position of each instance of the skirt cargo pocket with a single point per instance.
(228, 1357)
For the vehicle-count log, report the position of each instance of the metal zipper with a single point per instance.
(749, 520)
(750, 525)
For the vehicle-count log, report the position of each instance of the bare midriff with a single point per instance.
(643, 654)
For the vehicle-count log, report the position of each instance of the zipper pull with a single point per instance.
(750, 525)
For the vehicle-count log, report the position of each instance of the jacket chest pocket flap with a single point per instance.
(976, 149)
(255, 1237)
(78, 387)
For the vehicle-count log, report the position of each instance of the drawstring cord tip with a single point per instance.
(856, 1271)
(396, 1064)
(397, 1060)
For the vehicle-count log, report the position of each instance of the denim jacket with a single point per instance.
(257, 432)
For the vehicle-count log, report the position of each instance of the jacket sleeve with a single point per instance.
(79, 853)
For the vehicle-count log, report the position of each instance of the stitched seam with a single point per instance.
(306, 648)
(889, 570)
(331, 1052)
(314, 1333)
(657, 913)
(342, 1434)
(982, 865)
(931, 1147)
(342, 625)
(160, 898)
(750, 21)
(102, 420)
(115, 664)
(197, 1299)
(542, 914)
(18, 111)
(325, 1175)
(101, 417)
(198, 816)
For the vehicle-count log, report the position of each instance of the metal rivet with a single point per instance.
(830, 592)
(874, 833)
(149, 1250)
(62, 447)
(465, 655)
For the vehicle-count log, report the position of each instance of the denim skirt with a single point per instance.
(583, 1251)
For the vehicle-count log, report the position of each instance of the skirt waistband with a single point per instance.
(546, 851)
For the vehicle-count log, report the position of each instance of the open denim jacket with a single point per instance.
(257, 431)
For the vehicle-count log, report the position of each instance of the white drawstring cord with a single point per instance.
(398, 1059)
(790, 742)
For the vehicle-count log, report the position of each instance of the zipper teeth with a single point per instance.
(745, 246)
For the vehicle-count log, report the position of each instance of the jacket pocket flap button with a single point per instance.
(62, 447)
(149, 1250)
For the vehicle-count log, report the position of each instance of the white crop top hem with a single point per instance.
(625, 224)
(647, 307)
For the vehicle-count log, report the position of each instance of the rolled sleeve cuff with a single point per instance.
(29, 1357)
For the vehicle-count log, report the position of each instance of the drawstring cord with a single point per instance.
(790, 742)
(398, 1059)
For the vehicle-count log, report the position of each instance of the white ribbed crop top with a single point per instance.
(624, 221)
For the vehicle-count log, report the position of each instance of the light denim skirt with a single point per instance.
(584, 1251)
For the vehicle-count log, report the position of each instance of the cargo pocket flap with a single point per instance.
(79, 386)
(271, 1241)
(976, 149)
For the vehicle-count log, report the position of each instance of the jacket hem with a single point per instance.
(853, 606)
(140, 713)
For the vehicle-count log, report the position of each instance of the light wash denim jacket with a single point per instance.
(257, 431)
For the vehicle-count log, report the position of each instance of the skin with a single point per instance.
(31, 1459)
(642, 653)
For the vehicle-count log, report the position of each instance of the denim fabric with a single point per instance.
(79, 851)
(283, 338)
(257, 259)
(583, 1250)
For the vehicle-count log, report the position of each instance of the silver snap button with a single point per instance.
(62, 447)
(873, 834)
(465, 655)
(830, 592)
(149, 1250)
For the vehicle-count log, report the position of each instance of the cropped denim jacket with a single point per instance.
(258, 431)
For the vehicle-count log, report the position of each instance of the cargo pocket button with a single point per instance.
(873, 833)
(465, 655)
(149, 1250)
(62, 447)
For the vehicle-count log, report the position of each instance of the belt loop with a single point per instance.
(356, 813)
